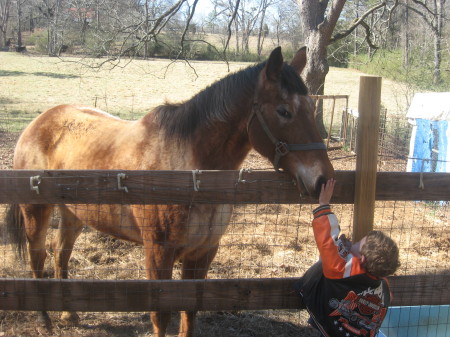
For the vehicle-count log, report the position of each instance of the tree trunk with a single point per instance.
(437, 59)
(318, 25)
(19, 26)
(437, 41)
(4, 19)
(261, 32)
(406, 31)
(315, 73)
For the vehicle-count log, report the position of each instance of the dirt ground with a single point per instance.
(261, 241)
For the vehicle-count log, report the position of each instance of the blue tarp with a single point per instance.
(429, 136)
(429, 113)
(417, 321)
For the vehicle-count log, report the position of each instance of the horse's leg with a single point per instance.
(159, 261)
(69, 229)
(36, 222)
(194, 269)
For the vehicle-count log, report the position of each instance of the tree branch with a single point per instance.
(186, 28)
(229, 28)
(357, 23)
(423, 16)
(369, 41)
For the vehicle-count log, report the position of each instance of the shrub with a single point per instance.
(38, 39)
(389, 64)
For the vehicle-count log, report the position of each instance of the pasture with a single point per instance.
(262, 240)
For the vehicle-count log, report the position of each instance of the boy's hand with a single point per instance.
(326, 192)
(346, 242)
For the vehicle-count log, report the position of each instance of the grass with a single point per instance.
(418, 75)
(276, 244)
(129, 89)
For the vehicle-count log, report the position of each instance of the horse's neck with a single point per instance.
(224, 145)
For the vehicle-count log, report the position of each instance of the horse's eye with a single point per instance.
(283, 112)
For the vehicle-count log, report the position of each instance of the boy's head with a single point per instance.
(381, 255)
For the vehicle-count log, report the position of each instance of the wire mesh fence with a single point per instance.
(262, 240)
(287, 227)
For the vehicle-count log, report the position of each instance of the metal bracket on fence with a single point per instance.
(121, 176)
(34, 182)
(421, 186)
(195, 180)
(241, 171)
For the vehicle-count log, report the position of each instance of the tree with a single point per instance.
(263, 29)
(5, 6)
(286, 26)
(19, 7)
(248, 18)
(319, 19)
(433, 14)
(51, 10)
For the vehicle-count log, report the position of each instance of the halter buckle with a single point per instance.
(281, 148)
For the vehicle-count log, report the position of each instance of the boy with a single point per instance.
(345, 292)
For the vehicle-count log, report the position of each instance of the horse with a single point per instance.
(265, 107)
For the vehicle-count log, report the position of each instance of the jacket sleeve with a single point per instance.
(336, 260)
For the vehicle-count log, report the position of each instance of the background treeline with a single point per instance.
(407, 40)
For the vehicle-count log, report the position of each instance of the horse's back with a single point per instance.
(68, 137)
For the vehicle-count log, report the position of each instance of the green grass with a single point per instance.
(125, 88)
(13, 121)
(418, 74)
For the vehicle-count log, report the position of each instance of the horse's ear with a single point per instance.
(299, 60)
(274, 65)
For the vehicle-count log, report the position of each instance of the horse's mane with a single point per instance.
(219, 102)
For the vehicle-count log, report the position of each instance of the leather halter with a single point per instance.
(281, 148)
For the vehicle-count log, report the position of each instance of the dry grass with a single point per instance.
(262, 240)
(33, 84)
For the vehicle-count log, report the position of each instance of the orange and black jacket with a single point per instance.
(341, 297)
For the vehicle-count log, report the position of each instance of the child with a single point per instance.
(345, 292)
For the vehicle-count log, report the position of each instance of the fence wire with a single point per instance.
(262, 240)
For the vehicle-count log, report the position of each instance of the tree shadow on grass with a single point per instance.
(6, 100)
(54, 75)
(5, 73)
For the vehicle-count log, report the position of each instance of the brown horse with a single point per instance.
(265, 107)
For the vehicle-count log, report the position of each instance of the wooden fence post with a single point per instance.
(366, 155)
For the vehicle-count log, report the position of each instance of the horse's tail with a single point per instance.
(15, 228)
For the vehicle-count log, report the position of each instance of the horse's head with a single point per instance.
(282, 125)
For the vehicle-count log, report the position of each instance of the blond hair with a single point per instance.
(381, 253)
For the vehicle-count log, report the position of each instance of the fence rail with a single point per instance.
(169, 187)
(184, 187)
(178, 295)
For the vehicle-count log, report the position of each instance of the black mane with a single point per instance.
(219, 101)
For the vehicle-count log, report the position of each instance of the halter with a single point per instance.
(281, 148)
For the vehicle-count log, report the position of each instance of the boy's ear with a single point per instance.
(363, 259)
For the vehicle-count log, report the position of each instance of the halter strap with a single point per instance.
(281, 148)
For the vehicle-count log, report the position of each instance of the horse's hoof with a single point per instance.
(70, 318)
(43, 319)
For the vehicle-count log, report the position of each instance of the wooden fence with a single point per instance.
(163, 187)
(186, 187)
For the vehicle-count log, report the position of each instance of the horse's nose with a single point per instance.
(320, 181)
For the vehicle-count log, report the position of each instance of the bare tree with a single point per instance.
(248, 17)
(19, 8)
(319, 19)
(263, 29)
(5, 6)
(433, 14)
(51, 11)
(286, 26)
